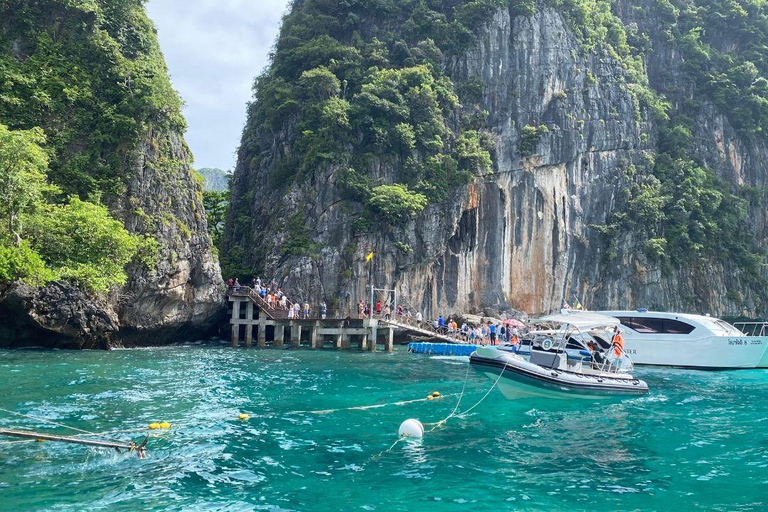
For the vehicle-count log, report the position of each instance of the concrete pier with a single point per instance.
(249, 314)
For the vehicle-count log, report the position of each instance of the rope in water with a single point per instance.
(453, 413)
(440, 423)
(82, 433)
(435, 425)
(46, 421)
(366, 407)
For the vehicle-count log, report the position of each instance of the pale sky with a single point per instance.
(214, 50)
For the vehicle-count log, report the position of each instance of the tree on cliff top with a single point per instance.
(76, 241)
(23, 163)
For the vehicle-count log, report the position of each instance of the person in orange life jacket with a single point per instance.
(618, 343)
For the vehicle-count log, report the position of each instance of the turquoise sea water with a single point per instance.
(699, 441)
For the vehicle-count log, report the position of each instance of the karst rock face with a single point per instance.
(523, 237)
(111, 62)
(183, 297)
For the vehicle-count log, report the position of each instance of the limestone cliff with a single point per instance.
(92, 77)
(528, 234)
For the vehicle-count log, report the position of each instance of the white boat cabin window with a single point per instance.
(650, 325)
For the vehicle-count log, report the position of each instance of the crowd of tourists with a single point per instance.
(487, 333)
(273, 297)
(386, 311)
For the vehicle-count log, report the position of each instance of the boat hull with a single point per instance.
(710, 353)
(522, 379)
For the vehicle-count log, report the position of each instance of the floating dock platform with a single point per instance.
(441, 349)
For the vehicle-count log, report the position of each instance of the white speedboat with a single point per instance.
(689, 341)
(554, 371)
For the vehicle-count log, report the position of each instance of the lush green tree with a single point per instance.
(216, 206)
(23, 166)
(82, 243)
(21, 263)
(396, 203)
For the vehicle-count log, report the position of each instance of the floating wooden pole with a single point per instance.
(139, 449)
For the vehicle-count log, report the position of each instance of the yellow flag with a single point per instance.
(369, 257)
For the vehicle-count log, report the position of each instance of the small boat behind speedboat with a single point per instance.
(568, 364)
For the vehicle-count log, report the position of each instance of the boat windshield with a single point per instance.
(720, 327)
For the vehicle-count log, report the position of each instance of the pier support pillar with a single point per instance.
(390, 345)
(279, 336)
(295, 334)
(249, 335)
(235, 335)
(374, 334)
(313, 335)
(262, 334)
(365, 344)
(338, 340)
(345, 341)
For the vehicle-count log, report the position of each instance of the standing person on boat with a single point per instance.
(595, 355)
(618, 343)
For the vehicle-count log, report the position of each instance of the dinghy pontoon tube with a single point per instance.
(550, 372)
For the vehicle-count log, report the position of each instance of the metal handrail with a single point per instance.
(610, 363)
(752, 328)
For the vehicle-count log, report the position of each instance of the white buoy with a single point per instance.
(411, 428)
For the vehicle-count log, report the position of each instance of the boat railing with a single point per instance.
(752, 328)
(611, 362)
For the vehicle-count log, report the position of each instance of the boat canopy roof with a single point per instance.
(581, 320)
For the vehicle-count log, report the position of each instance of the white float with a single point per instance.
(411, 428)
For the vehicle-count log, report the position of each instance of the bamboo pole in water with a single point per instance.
(139, 449)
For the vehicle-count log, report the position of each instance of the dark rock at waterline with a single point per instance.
(58, 315)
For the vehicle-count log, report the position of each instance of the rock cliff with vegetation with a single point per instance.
(102, 228)
(500, 154)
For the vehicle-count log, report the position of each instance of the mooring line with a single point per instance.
(47, 421)
(458, 403)
(82, 432)
(366, 407)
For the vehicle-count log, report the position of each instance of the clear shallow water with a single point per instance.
(699, 441)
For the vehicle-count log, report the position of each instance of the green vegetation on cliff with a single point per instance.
(676, 206)
(81, 83)
(366, 89)
(359, 84)
(74, 240)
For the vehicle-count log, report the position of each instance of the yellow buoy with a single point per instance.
(435, 394)
(165, 424)
(430, 397)
(154, 426)
(243, 416)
